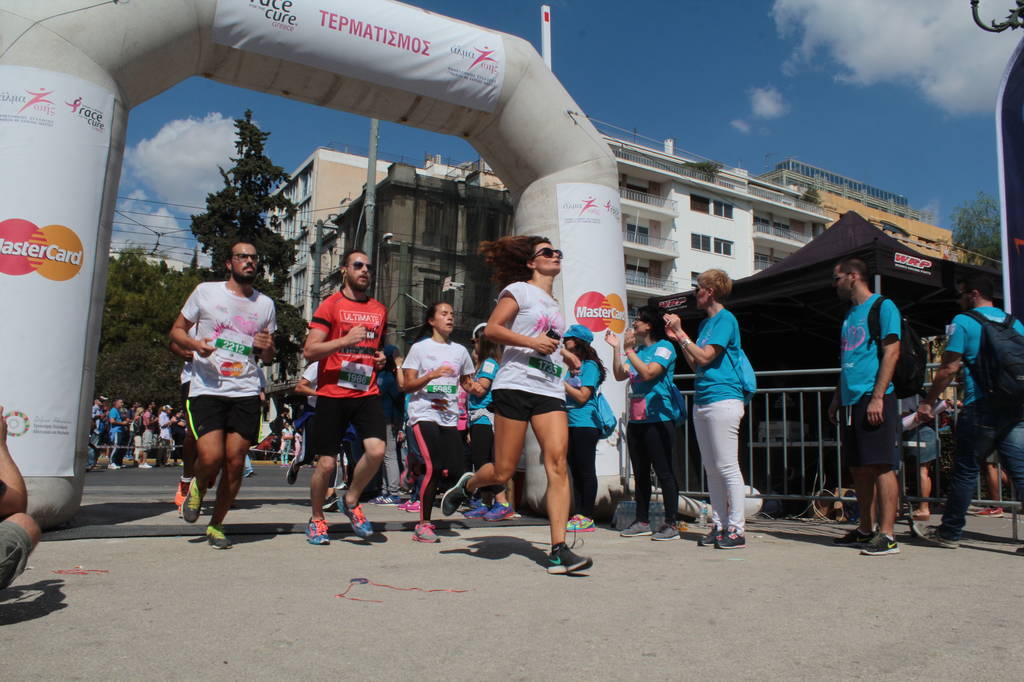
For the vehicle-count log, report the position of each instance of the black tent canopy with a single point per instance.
(790, 315)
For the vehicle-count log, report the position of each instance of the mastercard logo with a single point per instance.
(54, 251)
(598, 312)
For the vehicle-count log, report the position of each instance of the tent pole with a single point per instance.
(878, 283)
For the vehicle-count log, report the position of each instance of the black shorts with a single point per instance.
(867, 445)
(207, 413)
(522, 405)
(333, 417)
(184, 391)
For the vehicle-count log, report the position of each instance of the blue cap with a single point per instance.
(578, 331)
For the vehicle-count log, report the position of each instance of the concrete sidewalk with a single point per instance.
(146, 598)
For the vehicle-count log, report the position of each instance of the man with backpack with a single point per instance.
(990, 344)
(864, 405)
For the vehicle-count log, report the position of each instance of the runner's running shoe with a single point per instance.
(316, 532)
(932, 536)
(425, 532)
(360, 526)
(413, 507)
(562, 561)
(179, 496)
(215, 536)
(580, 524)
(455, 495)
(193, 503)
(636, 529)
(709, 539)
(499, 512)
(331, 503)
(477, 509)
(665, 533)
(853, 539)
(731, 539)
(879, 545)
(293, 471)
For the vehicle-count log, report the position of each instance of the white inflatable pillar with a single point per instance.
(70, 71)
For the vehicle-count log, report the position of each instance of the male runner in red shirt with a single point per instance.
(345, 336)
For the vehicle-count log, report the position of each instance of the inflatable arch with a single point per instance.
(70, 71)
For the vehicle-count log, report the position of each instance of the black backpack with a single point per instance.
(908, 377)
(999, 367)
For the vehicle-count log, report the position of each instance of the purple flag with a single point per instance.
(1010, 135)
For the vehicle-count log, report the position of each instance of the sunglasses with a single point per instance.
(246, 256)
(548, 252)
(359, 265)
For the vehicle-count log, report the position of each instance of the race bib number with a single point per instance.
(545, 368)
(355, 375)
(233, 344)
(448, 389)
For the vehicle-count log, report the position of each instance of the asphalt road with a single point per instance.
(791, 606)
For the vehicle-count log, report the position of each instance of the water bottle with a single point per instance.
(702, 520)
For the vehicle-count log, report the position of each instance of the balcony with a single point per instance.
(646, 246)
(783, 200)
(679, 168)
(762, 262)
(648, 285)
(774, 233)
(651, 201)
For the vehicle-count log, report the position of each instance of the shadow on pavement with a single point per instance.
(494, 548)
(28, 602)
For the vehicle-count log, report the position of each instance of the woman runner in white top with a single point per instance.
(433, 371)
(528, 389)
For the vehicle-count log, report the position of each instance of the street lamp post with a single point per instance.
(1013, 20)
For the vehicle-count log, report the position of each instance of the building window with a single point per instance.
(762, 222)
(723, 209)
(638, 234)
(700, 204)
(723, 247)
(693, 278)
(701, 242)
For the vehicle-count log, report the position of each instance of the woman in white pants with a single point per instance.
(718, 406)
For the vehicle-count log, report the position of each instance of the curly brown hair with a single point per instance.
(507, 257)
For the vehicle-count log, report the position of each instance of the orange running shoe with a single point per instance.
(179, 496)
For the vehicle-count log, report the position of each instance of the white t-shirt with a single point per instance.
(425, 356)
(523, 369)
(228, 322)
(165, 425)
(310, 376)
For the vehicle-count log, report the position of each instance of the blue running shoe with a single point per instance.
(499, 512)
(316, 532)
(360, 526)
(477, 509)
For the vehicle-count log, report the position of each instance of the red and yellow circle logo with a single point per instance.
(598, 312)
(54, 251)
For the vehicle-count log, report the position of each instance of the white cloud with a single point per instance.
(767, 103)
(740, 125)
(180, 163)
(931, 46)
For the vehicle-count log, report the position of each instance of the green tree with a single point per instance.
(708, 169)
(241, 211)
(978, 231)
(811, 196)
(142, 301)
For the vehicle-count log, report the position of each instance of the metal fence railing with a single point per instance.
(791, 453)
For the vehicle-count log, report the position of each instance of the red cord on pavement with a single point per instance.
(366, 581)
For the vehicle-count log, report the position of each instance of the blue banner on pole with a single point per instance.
(1010, 132)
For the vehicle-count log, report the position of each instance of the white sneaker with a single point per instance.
(113, 466)
(145, 466)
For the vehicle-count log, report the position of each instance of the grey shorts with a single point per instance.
(15, 546)
(921, 443)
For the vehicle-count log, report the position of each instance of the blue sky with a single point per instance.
(896, 94)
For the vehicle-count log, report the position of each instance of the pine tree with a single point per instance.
(241, 211)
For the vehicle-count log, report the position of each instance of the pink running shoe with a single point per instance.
(413, 507)
(425, 532)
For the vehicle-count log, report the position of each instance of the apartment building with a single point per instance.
(889, 211)
(683, 214)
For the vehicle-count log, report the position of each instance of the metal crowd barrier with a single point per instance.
(790, 451)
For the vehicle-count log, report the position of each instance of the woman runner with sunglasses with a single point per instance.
(528, 389)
